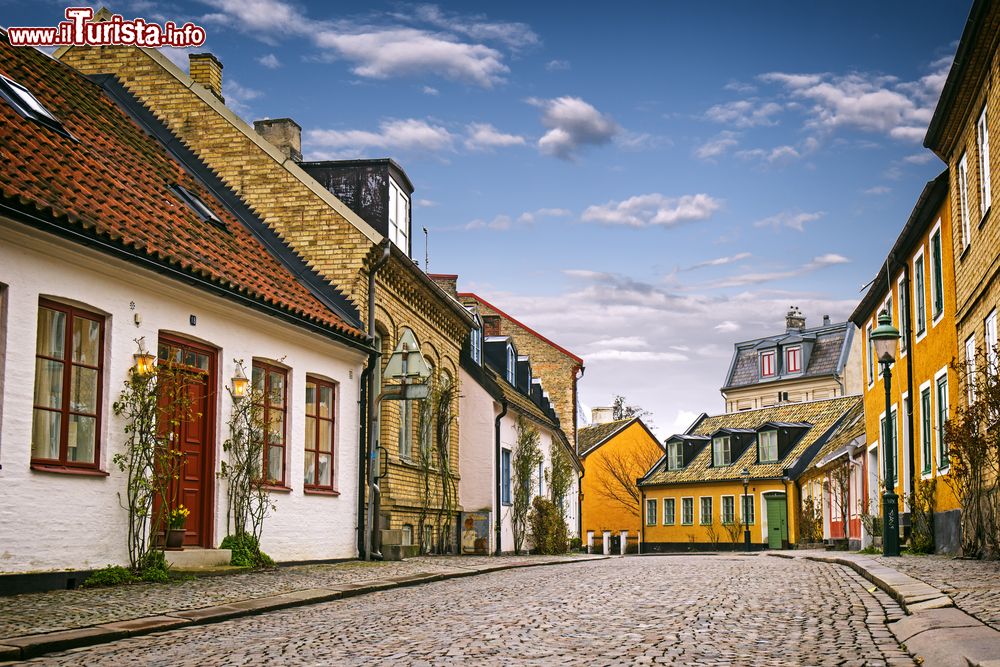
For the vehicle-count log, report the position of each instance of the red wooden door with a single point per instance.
(194, 436)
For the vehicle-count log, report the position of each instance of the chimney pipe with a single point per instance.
(601, 415)
(284, 134)
(206, 69)
(794, 320)
(826, 320)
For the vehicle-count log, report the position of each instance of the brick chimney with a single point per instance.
(206, 69)
(283, 133)
(795, 320)
(491, 325)
(446, 281)
(601, 416)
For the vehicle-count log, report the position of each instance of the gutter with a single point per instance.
(496, 468)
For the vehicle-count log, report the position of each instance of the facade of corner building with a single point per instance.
(916, 286)
(613, 451)
(694, 497)
(108, 237)
(502, 394)
(310, 206)
(798, 364)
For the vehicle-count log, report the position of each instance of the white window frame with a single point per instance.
(651, 511)
(970, 368)
(399, 204)
(669, 519)
(771, 433)
(941, 469)
(774, 359)
(476, 344)
(743, 506)
(870, 368)
(963, 201)
(512, 367)
(727, 442)
(935, 318)
(722, 509)
(701, 510)
(797, 349)
(927, 444)
(920, 294)
(990, 341)
(902, 316)
(685, 501)
(983, 154)
(675, 455)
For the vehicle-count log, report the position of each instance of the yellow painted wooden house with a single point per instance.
(695, 497)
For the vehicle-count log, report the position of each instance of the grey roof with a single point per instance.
(829, 354)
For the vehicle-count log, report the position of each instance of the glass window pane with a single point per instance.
(81, 439)
(276, 430)
(325, 436)
(325, 469)
(202, 361)
(310, 433)
(163, 351)
(45, 435)
(275, 463)
(86, 341)
(51, 339)
(257, 377)
(83, 390)
(310, 468)
(48, 383)
(326, 401)
(310, 398)
(176, 355)
(190, 358)
(277, 380)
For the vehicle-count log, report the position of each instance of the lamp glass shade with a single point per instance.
(884, 339)
(240, 384)
(745, 475)
(143, 363)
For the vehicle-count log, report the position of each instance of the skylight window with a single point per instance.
(26, 104)
(197, 205)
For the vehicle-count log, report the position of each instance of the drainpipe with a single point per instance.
(368, 405)
(496, 467)
(579, 502)
(642, 520)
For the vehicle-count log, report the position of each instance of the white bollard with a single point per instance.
(607, 543)
(624, 541)
(590, 541)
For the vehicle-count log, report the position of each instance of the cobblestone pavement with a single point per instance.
(691, 610)
(974, 585)
(61, 610)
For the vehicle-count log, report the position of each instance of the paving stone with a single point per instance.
(33, 645)
(146, 625)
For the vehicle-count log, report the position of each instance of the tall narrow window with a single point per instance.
(767, 364)
(512, 366)
(270, 383)
(669, 511)
(505, 476)
(541, 479)
(793, 360)
(925, 430)
(991, 342)
(687, 511)
(963, 200)
(675, 456)
(970, 367)
(767, 446)
(937, 280)
(721, 451)
(942, 403)
(904, 316)
(651, 511)
(69, 361)
(870, 352)
(320, 428)
(476, 344)
(919, 295)
(728, 509)
(399, 217)
(983, 144)
(747, 509)
(705, 510)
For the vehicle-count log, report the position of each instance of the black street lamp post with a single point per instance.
(884, 339)
(746, 524)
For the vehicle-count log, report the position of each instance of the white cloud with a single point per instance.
(878, 190)
(817, 263)
(499, 223)
(727, 326)
(425, 203)
(407, 134)
(777, 155)
(572, 123)
(919, 158)
(635, 355)
(179, 55)
(261, 16)
(621, 342)
(653, 209)
(744, 113)
(531, 216)
(269, 61)
(238, 96)
(719, 261)
(483, 136)
(512, 34)
(791, 219)
(740, 87)
(717, 146)
(430, 90)
(557, 65)
(504, 222)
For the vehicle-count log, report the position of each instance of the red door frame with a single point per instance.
(208, 459)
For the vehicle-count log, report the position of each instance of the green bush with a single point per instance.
(246, 551)
(548, 530)
(112, 575)
(154, 568)
(922, 517)
(575, 544)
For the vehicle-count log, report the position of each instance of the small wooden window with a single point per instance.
(728, 509)
(793, 360)
(69, 372)
(650, 511)
(687, 511)
(321, 421)
(767, 364)
(669, 511)
(271, 387)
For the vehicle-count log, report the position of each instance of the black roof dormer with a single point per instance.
(523, 375)
(789, 434)
(691, 446)
(739, 440)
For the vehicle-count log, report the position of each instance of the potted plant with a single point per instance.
(175, 532)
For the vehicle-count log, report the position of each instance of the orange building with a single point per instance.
(614, 454)
(917, 286)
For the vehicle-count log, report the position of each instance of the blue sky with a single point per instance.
(646, 183)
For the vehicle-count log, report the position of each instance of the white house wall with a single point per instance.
(51, 521)
(477, 412)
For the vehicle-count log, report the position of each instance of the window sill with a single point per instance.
(965, 252)
(68, 470)
(320, 492)
(278, 488)
(986, 215)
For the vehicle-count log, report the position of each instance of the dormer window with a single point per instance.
(793, 359)
(722, 453)
(476, 344)
(767, 364)
(26, 104)
(399, 217)
(675, 456)
(767, 446)
(511, 364)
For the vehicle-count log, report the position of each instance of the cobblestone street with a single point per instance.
(704, 610)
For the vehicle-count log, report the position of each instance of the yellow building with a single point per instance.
(917, 286)
(614, 455)
(694, 497)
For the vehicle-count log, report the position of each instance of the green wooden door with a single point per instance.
(777, 521)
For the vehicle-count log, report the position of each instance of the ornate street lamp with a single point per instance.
(884, 339)
(239, 384)
(745, 474)
(143, 360)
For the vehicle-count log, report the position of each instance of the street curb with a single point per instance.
(13, 649)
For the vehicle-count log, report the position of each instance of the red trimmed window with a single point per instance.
(767, 364)
(270, 386)
(69, 365)
(321, 419)
(793, 360)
